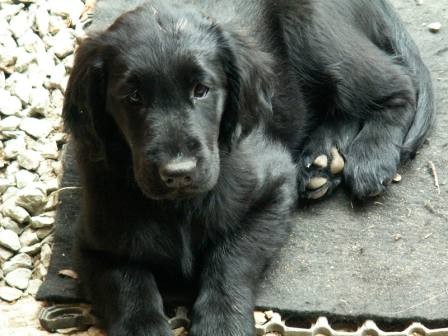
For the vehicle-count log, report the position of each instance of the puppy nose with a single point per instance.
(178, 173)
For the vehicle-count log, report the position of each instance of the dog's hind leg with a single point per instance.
(375, 103)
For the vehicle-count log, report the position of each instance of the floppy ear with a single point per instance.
(84, 103)
(250, 76)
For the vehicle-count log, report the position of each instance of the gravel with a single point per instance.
(37, 43)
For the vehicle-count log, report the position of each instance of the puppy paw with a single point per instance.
(369, 169)
(322, 173)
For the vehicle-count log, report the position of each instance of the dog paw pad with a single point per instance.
(316, 183)
(319, 193)
(321, 161)
(337, 162)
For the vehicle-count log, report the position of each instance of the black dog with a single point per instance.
(196, 124)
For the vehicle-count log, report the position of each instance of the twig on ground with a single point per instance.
(434, 175)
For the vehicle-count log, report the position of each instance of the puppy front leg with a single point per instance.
(232, 269)
(126, 297)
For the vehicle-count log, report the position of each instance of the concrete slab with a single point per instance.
(387, 259)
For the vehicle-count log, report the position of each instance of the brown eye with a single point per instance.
(135, 98)
(200, 91)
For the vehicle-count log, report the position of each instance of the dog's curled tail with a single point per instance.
(408, 53)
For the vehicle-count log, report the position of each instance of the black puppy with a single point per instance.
(195, 125)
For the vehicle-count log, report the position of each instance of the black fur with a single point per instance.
(288, 81)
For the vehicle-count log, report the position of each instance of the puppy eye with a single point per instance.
(200, 91)
(135, 98)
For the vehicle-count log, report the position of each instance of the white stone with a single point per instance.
(9, 240)
(19, 24)
(57, 78)
(9, 294)
(36, 76)
(2, 80)
(5, 254)
(57, 23)
(62, 43)
(21, 260)
(43, 233)
(13, 147)
(12, 10)
(22, 90)
(18, 278)
(57, 99)
(39, 222)
(9, 197)
(57, 167)
(71, 9)
(9, 123)
(68, 62)
(39, 100)
(9, 105)
(31, 42)
(8, 56)
(45, 255)
(15, 78)
(45, 169)
(38, 128)
(40, 271)
(24, 178)
(24, 59)
(51, 184)
(31, 198)
(46, 62)
(31, 250)
(17, 213)
(5, 184)
(8, 224)
(49, 149)
(29, 159)
(33, 286)
(29, 238)
(435, 27)
(42, 20)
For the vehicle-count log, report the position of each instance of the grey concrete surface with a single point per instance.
(387, 259)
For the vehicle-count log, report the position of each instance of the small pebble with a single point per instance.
(18, 278)
(21, 260)
(39, 222)
(33, 286)
(10, 240)
(5, 254)
(37, 128)
(397, 178)
(9, 224)
(434, 27)
(17, 213)
(29, 159)
(9, 294)
(29, 237)
(32, 198)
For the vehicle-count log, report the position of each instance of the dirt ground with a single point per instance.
(428, 202)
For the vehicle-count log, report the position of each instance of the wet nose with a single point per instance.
(178, 173)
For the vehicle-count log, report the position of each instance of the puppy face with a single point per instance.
(172, 84)
(166, 92)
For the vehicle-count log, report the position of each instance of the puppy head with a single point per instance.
(171, 87)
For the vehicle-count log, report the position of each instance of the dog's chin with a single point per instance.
(177, 194)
